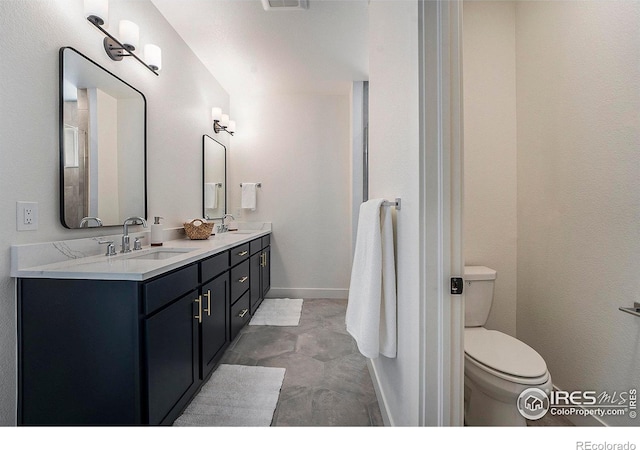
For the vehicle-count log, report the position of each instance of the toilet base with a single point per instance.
(483, 410)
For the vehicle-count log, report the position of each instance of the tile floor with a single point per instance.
(327, 382)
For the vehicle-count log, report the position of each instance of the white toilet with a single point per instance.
(497, 367)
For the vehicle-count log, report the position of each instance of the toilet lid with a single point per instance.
(504, 353)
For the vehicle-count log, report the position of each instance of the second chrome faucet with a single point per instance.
(126, 246)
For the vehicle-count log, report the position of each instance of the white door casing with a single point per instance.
(441, 147)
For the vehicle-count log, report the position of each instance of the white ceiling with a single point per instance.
(253, 51)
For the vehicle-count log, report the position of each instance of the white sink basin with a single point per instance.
(242, 231)
(159, 253)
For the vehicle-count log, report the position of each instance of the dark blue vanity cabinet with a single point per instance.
(260, 270)
(113, 352)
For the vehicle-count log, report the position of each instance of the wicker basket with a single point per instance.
(200, 231)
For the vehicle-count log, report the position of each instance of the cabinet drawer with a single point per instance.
(255, 246)
(239, 280)
(214, 266)
(239, 254)
(266, 240)
(239, 315)
(166, 288)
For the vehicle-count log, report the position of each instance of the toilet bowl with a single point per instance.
(497, 367)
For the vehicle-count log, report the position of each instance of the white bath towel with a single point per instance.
(371, 310)
(249, 196)
(211, 195)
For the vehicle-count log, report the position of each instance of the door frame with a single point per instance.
(441, 364)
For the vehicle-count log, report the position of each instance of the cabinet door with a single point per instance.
(172, 356)
(256, 286)
(213, 338)
(266, 271)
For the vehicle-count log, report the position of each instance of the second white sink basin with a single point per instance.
(160, 253)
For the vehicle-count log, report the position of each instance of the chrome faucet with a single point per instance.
(86, 220)
(126, 248)
(224, 228)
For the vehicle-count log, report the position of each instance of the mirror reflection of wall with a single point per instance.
(214, 178)
(76, 133)
(103, 144)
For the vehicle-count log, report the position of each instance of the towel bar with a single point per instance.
(397, 204)
(635, 310)
(257, 185)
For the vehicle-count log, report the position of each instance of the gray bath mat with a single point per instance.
(235, 396)
(281, 312)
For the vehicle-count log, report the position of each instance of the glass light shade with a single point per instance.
(153, 56)
(224, 121)
(97, 11)
(231, 128)
(216, 113)
(129, 34)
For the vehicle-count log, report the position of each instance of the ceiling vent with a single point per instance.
(284, 5)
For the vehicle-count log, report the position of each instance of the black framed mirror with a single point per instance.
(103, 133)
(214, 178)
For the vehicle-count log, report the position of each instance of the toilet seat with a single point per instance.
(504, 356)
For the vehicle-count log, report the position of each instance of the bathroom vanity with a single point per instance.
(130, 339)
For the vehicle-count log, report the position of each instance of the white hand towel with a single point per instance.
(249, 196)
(211, 195)
(371, 309)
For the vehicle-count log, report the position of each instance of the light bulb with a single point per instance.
(97, 11)
(153, 56)
(129, 34)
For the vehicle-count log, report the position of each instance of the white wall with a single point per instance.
(298, 147)
(490, 185)
(578, 90)
(179, 103)
(394, 172)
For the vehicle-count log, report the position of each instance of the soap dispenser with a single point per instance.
(157, 233)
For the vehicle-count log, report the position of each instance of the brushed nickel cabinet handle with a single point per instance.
(243, 313)
(199, 302)
(208, 308)
(243, 279)
(243, 253)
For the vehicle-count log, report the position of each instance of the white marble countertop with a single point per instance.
(127, 266)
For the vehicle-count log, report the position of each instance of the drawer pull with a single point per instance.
(243, 253)
(208, 308)
(243, 313)
(243, 279)
(199, 302)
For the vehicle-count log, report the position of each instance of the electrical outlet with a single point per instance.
(26, 216)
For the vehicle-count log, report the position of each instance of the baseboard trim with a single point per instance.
(276, 292)
(382, 401)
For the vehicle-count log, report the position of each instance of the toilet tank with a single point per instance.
(478, 294)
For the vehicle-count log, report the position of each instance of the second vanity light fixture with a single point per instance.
(97, 13)
(221, 121)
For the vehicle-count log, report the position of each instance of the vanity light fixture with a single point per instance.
(97, 12)
(221, 121)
